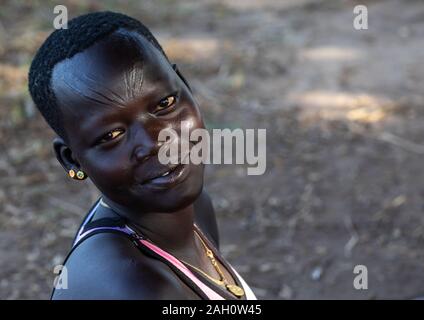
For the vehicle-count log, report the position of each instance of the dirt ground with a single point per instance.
(344, 116)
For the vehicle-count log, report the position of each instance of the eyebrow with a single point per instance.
(99, 121)
(114, 109)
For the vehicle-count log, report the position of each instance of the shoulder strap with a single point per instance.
(105, 225)
(87, 218)
(120, 226)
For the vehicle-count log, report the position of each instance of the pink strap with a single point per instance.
(212, 295)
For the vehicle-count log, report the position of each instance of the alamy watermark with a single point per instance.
(360, 282)
(239, 147)
(61, 20)
(360, 21)
(61, 280)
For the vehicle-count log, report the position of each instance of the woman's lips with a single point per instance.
(173, 175)
(170, 178)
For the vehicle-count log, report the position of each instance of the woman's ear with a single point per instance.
(64, 155)
(174, 66)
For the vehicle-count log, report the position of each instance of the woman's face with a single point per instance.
(116, 96)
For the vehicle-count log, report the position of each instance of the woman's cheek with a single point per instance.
(196, 117)
(192, 116)
(109, 169)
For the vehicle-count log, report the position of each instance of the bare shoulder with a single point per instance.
(205, 217)
(110, 266)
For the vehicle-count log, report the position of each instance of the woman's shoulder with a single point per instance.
(109, 266)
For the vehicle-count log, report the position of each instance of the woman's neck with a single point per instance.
(171, 231)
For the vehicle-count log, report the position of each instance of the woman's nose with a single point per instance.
(142, 153)
(147, 147)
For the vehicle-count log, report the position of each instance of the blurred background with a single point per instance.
(343, 110)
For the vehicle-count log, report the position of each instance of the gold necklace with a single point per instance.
(234, 289)
(217, 281)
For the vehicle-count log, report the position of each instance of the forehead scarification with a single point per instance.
(111, 72)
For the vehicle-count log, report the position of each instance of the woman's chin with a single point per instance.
(178, 201)
(177, 196)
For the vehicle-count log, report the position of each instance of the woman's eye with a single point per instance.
(166, 103)
(111, 135)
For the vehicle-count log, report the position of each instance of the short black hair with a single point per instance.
(82, 32)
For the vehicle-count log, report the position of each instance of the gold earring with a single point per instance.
(80, 175)
(71, 173)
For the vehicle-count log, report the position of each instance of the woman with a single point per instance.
(107, 89)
